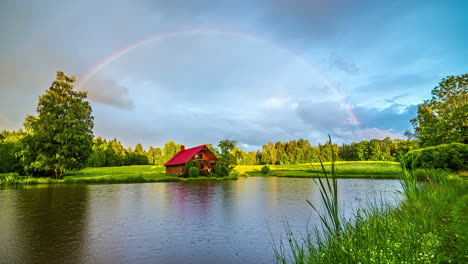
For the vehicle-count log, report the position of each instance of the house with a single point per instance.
(201, 153)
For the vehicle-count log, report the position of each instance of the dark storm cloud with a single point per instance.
(110, 93)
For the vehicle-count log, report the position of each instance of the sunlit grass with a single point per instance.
(343, 169)
(105, 175)
(429, 226)
(150, 173)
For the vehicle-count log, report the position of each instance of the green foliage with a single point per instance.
(432, 175)
(428, 228)
(226, 159)
(413, 233)
(154, 156)
(234, 174)
(451, 156)
(61, 135)
(191, 163)
(169, 150)
(193, 172)
(221, 170)
(265, 170)
(10, 145)
(212, 174)
(444, 118)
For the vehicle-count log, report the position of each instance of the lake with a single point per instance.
(201, 222)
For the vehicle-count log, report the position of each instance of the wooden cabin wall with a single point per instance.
(176, 170)
(207, 155)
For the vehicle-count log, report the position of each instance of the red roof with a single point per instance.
(183, 156)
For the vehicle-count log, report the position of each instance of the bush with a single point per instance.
(212, 174)
(265, 170)
(221, 170)
(191, 164)
(234, 173)
(451, 156)
(194, 172)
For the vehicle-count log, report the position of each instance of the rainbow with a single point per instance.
(166, 35)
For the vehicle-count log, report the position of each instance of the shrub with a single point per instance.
(212, 174)
(265, 170)
(221, 170)
(191, 164)
(451, 156)
(234, 173)
(194, 172)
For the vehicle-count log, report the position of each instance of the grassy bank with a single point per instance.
(150, 173)
(343, 169)
(124, 174)
(430, 226)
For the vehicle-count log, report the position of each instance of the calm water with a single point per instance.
(209, 222)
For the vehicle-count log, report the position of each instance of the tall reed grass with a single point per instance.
(424, 228)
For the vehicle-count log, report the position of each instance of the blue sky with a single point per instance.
(254, 71)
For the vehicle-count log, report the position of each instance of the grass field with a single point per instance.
(344, 169)
(124, 174)
(150, 173)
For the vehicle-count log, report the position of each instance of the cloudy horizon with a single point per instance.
(198, 72)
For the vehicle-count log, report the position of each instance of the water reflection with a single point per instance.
(204, 222)
(40, 222)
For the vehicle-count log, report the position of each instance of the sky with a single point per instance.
(254, 71)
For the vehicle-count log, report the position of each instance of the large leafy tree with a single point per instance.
(169, 150)
(60, 137)
(444, 118)
(226, 158)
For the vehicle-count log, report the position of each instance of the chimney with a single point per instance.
(182, 148)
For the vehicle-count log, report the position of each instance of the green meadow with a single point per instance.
(150, 173)
(343, 169)
(123, 174)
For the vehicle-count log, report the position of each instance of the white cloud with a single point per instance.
(275, 102)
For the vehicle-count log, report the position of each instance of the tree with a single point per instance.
(169, 150)
(151, 155)
(269, 153)
(139, 155)
(444, 118)
(61, 136)
(158, 156)
(226, 158)
(9, 146)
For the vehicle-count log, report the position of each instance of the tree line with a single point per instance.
(110, 153)
(60, 137)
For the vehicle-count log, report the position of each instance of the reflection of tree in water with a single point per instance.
(51, 224)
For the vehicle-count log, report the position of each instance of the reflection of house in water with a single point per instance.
(201, 153)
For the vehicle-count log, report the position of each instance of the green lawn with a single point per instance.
(150, 173)
(344, 169)
(124, 174)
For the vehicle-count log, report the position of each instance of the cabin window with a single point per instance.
(198, 156)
